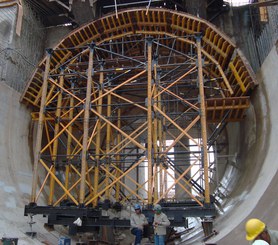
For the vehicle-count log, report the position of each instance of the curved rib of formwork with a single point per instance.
(110, 96)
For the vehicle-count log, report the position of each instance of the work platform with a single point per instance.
(93, 218)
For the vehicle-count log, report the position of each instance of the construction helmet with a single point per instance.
(260, 242)
(137, 206)
(253, 228)
(157, 207)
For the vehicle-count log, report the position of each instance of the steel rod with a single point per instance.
(40, 128)
(69, 142)
(155, 138)
(118, 158)
(203, 120)
(86, 127)
(108, 142)
(98, 143)
(149, 119)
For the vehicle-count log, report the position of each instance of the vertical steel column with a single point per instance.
(155, 138)
(37, 154)
(118, 157)
(108, 139)
(87, 106)
(149, 114)
(160, 137)
(165, 181)
(56, 141)
(69, 141)
(203, 119)
(98, 137)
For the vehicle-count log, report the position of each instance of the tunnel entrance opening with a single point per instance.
(138, 76)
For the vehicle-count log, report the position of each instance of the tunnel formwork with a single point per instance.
(118, 105)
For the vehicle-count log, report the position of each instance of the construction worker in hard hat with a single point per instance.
(160, 223)
(137, 222)
(256, 230)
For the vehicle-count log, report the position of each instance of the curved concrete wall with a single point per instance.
(16, 171)
(15, 174)
(255, 195)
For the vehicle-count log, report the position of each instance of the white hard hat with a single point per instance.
(260, 242)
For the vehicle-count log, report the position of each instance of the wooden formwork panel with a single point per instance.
(155, 22)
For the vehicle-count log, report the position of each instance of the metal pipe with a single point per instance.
(149, 119)
(149, 4)
(98, 137)
(86, 127)
(160, 137)
(131, 3)
(40, 127)
(203, 120)
(116, 9)
(69, 141)
(155, 139)
(118, 158)
(55, 143)
(108, 142)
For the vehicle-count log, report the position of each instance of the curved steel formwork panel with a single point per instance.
(110, 97)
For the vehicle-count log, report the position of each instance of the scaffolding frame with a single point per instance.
(111, 94)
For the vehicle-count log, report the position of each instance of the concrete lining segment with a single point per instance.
(16, 171)
(258, 197)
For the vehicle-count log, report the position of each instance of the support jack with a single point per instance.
(31, 233)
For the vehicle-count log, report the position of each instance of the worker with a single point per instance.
(138, 221)
(257, 230)
(260, 242)
(160, 223)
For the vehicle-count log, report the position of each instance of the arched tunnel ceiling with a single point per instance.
(174, 32)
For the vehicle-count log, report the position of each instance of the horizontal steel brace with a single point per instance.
(92, 217)
(67, 211)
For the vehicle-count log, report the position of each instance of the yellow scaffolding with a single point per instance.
(106, 110)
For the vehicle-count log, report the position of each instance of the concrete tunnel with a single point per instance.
(155, 76)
